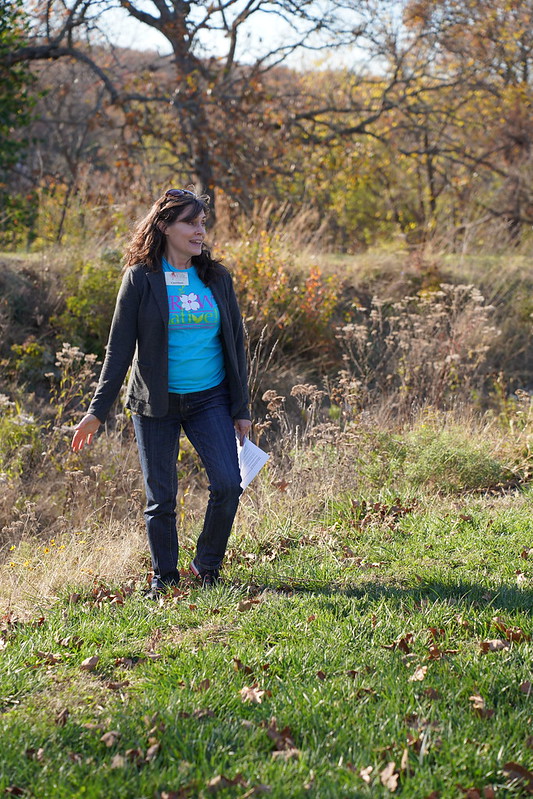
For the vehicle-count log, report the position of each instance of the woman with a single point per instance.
(177, 323)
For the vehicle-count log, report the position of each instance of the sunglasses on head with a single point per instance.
(179, 193)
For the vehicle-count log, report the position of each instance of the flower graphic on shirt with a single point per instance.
(189, 302)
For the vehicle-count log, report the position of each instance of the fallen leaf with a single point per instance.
(401, 643)
(252, 693)
(257, 790)
(135, 756)
(494, 645)
(431, 693)
(110, 738)
(220, 781)
(312, 617)
(203, 713)
(35, 754)
(436, 632)
(285, 754)
(419, 674)
(282, 738)
(117, 686)
(436, 654)
(389, 776)
(49, 658)
(154, 655)
(13, 790)
(518, 773)
(489, 792)
(526, 687)
(321, 675)
(365, 774)
(479, 707)
(512, 633)
(89, 664)
(245, 604)
(117, 761)
(62, 716)
(152, 751)
(404, 764)
(433, 795)
(239, 666)
(203, 685)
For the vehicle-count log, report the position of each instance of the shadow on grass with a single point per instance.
(463, 593)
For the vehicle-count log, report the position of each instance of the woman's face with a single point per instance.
(185, 239)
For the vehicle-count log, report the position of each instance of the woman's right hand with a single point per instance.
(84, 431)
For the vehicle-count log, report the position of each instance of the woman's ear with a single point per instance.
(162, 227)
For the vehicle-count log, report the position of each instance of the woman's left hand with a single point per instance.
(242, 427)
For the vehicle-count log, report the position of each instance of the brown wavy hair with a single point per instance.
(147, 245)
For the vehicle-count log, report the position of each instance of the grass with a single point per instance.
(335, 648)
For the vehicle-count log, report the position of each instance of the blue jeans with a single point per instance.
(206, 421)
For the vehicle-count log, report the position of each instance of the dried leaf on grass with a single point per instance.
(284, 746)
(479, 707)
(239, 666)
(365, 774)
(220, 781)
(517, 773)
(401, 643)
(419, 674)
(389, 776)
(49, 658)
(526, 688)
(62, 716)
(117, 686)
(252, 693)
(514, 634)
(494, 645)
(110, 738)
(475, 793)
(35, 754)
(257, 790)
(89, 664)
(436, 654)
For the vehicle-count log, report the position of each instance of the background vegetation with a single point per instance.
(373, 635)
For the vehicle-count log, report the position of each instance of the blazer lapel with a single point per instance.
(159, 288)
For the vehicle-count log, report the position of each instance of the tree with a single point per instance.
(16, 103)
(218, 100)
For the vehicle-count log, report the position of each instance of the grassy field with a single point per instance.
(373, 632)
(356, 649)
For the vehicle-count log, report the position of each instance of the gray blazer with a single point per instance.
(139, 337)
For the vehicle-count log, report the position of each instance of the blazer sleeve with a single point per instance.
(238, 337)
(120, 347)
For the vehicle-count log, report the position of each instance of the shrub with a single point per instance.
(20, 439)
(451, 461)
(89, 307)
(430, 348)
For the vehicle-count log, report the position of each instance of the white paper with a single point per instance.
(251, 460)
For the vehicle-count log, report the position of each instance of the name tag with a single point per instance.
(177, 278)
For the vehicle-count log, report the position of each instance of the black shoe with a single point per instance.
(208, 577)
(159, 589)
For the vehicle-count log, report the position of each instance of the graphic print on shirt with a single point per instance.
(192, 310)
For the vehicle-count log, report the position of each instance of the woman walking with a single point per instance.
(177, 323)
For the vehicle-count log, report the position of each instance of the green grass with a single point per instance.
(345, 613)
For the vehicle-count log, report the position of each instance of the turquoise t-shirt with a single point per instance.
(195, 358)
